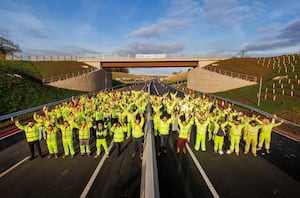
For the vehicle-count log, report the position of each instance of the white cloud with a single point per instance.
(61, 50)
(4, 32)
(274, 27)
(287, 36)
(184, 8)
(21, 18)
(146, 47)
(148, 31)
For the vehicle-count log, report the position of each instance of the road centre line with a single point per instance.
(202, 172)
(96, 172)
(14, 166)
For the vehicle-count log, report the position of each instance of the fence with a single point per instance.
(231, 74)
(69, 75)
(41, 58)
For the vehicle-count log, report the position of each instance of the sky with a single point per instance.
(203, 28)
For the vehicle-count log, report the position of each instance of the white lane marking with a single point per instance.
(14, 166)
(155, 89)
(2, 138)
(202, 172)
(93, 177)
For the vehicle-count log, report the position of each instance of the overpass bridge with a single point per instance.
(114, 60)
(147, 62)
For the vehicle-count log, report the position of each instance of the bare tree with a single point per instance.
(8, 47)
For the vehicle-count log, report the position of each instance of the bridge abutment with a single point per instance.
(90, 82)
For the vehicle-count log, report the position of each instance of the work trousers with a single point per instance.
(84, 146)
(52, 147)
(181, 141)
(263, 137)
(251, 140)
(218, 143)
(163, 141)
(103, 143)
(68, 147)
(31, 146)
(200, 139)
(137, 144)
(118, 147)
(235, 143)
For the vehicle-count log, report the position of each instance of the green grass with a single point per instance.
(55, 68)
(21, 93)
(285, 106)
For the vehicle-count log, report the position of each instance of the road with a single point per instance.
(274, 175)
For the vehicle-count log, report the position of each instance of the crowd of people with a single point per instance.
(212, 121)
(120, 114)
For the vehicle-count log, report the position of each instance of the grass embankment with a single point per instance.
(128, 78)
(27, 91)
(175, 78)
(55, 68)
(272, 101)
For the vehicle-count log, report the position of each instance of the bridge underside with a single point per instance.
(149, 64)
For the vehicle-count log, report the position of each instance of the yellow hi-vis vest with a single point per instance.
(164, 127)
(252, 130)
(84, 132)
(51, 136)
(184, 130)
(236, 130)
(201, 128)
(31, 133)
(267, 128)
(137, 129)
(118, 133)
(66, 132)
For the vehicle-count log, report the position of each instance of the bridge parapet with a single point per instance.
(247, 77)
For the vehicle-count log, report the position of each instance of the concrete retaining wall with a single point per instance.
(90, 82)
(205, 81)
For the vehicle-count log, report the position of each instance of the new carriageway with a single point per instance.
(196, 174)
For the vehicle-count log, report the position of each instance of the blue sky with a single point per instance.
(206, 28)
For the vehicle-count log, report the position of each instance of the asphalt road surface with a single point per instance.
(274, 175)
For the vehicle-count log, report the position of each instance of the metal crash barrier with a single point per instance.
(149, 175)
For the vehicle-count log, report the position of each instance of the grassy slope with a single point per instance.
(55, 68)
(28, 91)
(176, 77)
(284, 105)
(116, 75)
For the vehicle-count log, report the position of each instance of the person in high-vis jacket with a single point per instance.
(163, 129)
(118, 135)
(265, 133)
(219, 134)
(201, 130)
(67, 138)
(101, 133)
(184, 134)
(31, 131)
(235, 132)
(130, 118)
(84, 137)
(51, 140)
(156, 118)
(251, 136)
(137, 136)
